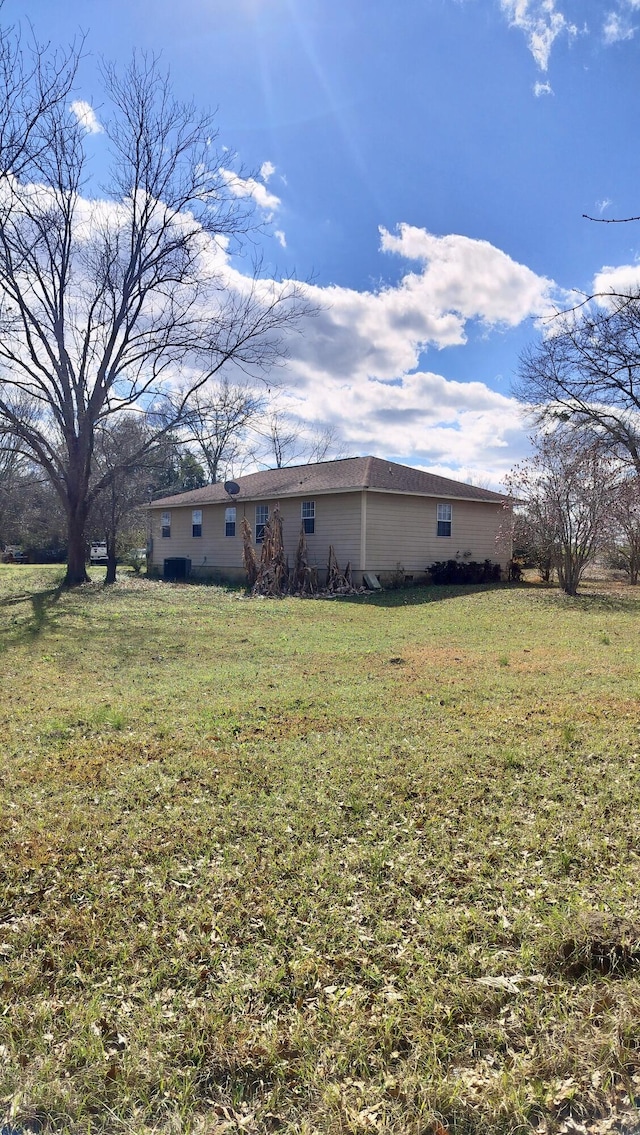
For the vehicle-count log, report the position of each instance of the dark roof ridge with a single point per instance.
(368, 467)
(346, 474)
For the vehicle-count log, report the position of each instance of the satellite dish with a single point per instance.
(232, 488)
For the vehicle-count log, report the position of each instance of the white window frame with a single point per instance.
(165, 525)
(262, 511)
(444, 518)
(196, 522)
(308, 515)
(230, 520)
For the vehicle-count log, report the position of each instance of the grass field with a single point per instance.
(366, 865)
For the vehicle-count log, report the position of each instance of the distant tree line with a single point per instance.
(228, 430)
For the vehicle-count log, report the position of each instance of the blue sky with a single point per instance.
(426, 163)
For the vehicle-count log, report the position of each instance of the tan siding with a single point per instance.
(337, 522)
(402, 531)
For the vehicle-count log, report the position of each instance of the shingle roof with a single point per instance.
(348, 474)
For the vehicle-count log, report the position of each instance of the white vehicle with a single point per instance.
(98, 552)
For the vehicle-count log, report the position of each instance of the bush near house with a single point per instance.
(464, 571)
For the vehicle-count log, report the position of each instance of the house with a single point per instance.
(380, 517)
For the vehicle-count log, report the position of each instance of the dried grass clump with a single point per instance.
(304, 580)
(338, 582)
(249, 561)
(272, 577)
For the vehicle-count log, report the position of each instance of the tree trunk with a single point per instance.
(111, 558)
(76, 486)
(76, 552)
(570, 571)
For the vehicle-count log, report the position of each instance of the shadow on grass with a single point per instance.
(389, 597)
(416, 596)
(593, 596)
(601, 601)
(40, 619)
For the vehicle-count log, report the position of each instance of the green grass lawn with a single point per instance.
(366, 865)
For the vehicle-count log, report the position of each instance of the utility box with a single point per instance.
(177, 567)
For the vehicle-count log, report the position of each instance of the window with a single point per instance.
(309, 517)
(444, 520)
(230, 521)
(262, 516)
(165, 522)
(196, 522)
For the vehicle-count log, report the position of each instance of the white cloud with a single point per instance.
(86, 116)
(462, 430)
(280, 237)
(267, 170)
(618, 22)
(541, 22)
(356, 365)
(380, 336)
(603, 205)
(249, 187)
(617, 27)
(542, 89)
(624, 280)
(467, 279)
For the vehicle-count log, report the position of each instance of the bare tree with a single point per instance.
(30, 512)
(283, 440)
(586, 373)
(11, 482)
(11, 459)
(324, 443)
(567, 489)
(625, 545)
(34, 84)
(124, 463)
(529, 530)
(126, 302)
(219, 422)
